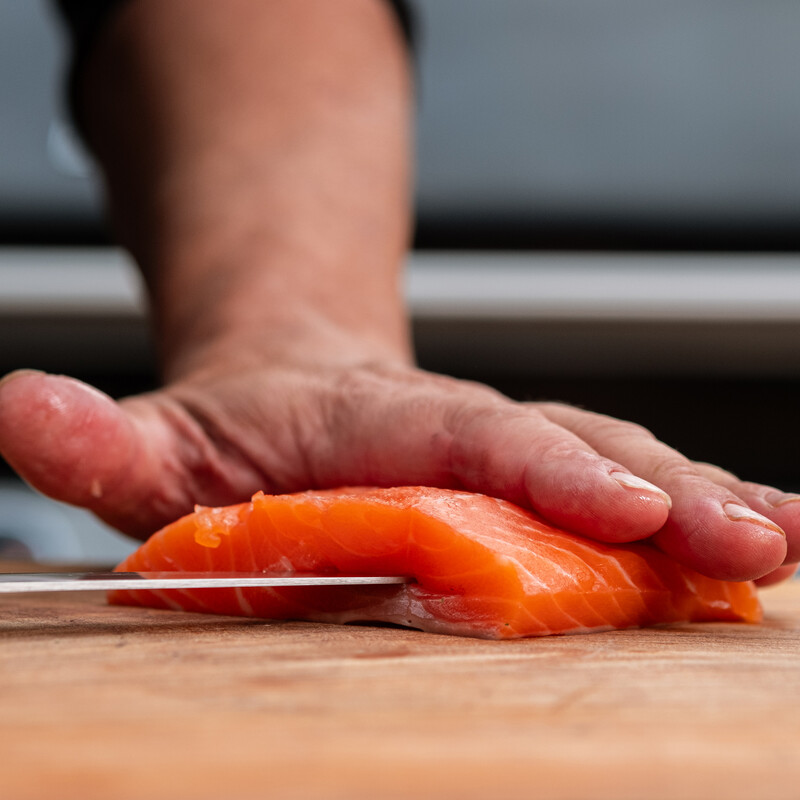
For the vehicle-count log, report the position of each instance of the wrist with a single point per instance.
(250, 298)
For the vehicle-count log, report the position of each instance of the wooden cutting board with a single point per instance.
(107, 702)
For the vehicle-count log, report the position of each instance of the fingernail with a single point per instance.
(784, 498)
(635, 482)
(737, 513)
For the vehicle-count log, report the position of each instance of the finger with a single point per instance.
(782, 508)
(710, 528)
(137, 465)
(783, 573)
(529, 460)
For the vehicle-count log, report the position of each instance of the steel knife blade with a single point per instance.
(17, 582)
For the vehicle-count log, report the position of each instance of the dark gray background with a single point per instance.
(575, 123)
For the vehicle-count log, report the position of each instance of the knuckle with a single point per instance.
(671, 468)
(624, 429)
(594, 427)
(718, 474)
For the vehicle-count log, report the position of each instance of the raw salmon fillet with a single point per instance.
(483, 567)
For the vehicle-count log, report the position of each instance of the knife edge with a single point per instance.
(15, 583)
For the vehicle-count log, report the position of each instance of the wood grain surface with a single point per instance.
(108, 702)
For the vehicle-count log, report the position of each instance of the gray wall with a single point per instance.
(541, 112)
(632, 109)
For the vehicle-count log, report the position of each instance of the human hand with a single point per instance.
(271, 223)
(224, 432)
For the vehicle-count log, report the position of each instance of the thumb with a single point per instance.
(76, 444)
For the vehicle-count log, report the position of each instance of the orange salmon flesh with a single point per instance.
(482, 567)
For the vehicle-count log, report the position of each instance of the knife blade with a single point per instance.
(17, 582)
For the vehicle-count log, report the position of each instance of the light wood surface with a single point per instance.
(108, 702)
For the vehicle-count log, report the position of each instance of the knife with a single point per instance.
(16, 582)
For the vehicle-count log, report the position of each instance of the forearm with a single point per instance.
(256, 155)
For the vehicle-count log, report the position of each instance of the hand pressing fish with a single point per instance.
(481, 567)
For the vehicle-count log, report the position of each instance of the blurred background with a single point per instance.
(608, 197)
